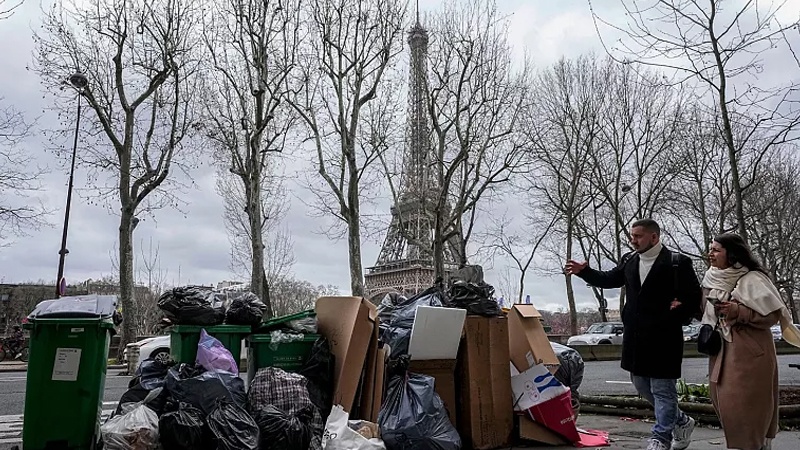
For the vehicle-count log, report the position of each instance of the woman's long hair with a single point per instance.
(739, 252)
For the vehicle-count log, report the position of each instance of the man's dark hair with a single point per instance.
(648, 224)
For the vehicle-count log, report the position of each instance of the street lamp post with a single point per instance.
(79, 82)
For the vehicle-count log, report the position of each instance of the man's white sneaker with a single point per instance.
(655, 444)
(682, 435)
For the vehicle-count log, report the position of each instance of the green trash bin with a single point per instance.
(184, 339)
(289, 356)
(69, 340)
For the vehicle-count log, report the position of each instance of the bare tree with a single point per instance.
(520, 244)
(7, 8)
(353, 46)
(291, 295)
(153, 279)
(140, 61)
(253, 54)
(724, 50)
(476, 101)
(19, 177)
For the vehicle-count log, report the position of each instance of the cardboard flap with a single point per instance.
(528, 311)
(436, 333)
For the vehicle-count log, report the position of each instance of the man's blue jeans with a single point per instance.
(663, 395)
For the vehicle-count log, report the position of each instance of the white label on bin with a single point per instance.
(76, 330)
(65, 367)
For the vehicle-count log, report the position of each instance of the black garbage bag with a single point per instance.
(396, 317)
(281, 430)
(476, 298)
(245, 309)
(413, 416)
(232, 427)
(203, 390)
(183, 429)
(319, 370)
(151, 373)
(136, 394)
(190, 305)
(570, 370)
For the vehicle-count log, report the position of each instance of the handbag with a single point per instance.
(709, 341)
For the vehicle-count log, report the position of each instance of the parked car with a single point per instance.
(777, 334)
(153, 347)
(600, 333)
(690, 332)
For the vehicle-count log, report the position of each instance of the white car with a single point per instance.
(155, 347)
(601, 333)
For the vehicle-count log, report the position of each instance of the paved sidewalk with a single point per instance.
(633, 434)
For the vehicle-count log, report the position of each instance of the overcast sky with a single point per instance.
(194, 247)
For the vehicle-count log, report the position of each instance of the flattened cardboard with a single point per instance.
(532, 431)
(485, 416)
(349, 323)
(371, 388)
(443, 373)
(436, 333)
(528, 344)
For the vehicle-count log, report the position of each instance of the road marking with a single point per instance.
(11, 425)
(618, 382)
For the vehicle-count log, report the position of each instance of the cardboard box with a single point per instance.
(443, 373)
(485, 415)
(351, 326)
(528, 344)
(532, 431)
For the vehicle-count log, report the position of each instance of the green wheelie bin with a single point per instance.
(185, 338)
(69, 340)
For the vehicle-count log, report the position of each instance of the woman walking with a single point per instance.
(742, 304)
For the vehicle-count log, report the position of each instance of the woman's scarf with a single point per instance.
(756, 291)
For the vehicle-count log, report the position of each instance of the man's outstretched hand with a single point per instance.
(574, 267)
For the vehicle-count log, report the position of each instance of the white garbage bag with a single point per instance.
(339, 436)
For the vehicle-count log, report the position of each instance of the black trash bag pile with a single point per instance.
(183, 429)
(151, 373)
(245, 308)
(570, 370)
(319, 370)
(413, 416)
(232, 427)
(189, 384)
(190, 305)
(476, 298)
(275, 389)
(396, 317)
(284, 431)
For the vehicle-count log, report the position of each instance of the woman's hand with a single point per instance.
(723, 309)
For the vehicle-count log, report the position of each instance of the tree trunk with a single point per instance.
(266, 298)
(354, 233)
(256, 236)
(573, 313)
(438, 248)
(126, 279)
(521, 285)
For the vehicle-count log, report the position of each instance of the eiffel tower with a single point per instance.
(405, 262)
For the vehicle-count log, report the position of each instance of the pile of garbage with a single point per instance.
(198, 305)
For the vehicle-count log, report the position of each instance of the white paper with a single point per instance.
(534, 386)
(66, 365)
(436, 333)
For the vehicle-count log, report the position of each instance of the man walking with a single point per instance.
(658, 302)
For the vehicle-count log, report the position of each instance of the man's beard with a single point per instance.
(646, 248)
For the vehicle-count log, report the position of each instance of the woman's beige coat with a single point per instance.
(744, 380)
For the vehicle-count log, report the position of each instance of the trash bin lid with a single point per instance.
(277, 322)
(79, 306)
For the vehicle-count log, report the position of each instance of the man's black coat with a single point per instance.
(652, 343)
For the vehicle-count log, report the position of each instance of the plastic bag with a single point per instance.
(319, 370)
(190, 305)
(213, 356)
(134, 430)
(413, 416)
(396, 317)
(183, 429)
(340, 434)
(151, 373)
(284, 431)
(245, 309)
(203, 390)
(570, 370)
(477, 299)
(137, 394)
(304, 325)
(232, 427)
(278, 337)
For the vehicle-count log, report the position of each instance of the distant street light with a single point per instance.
(79, 82)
